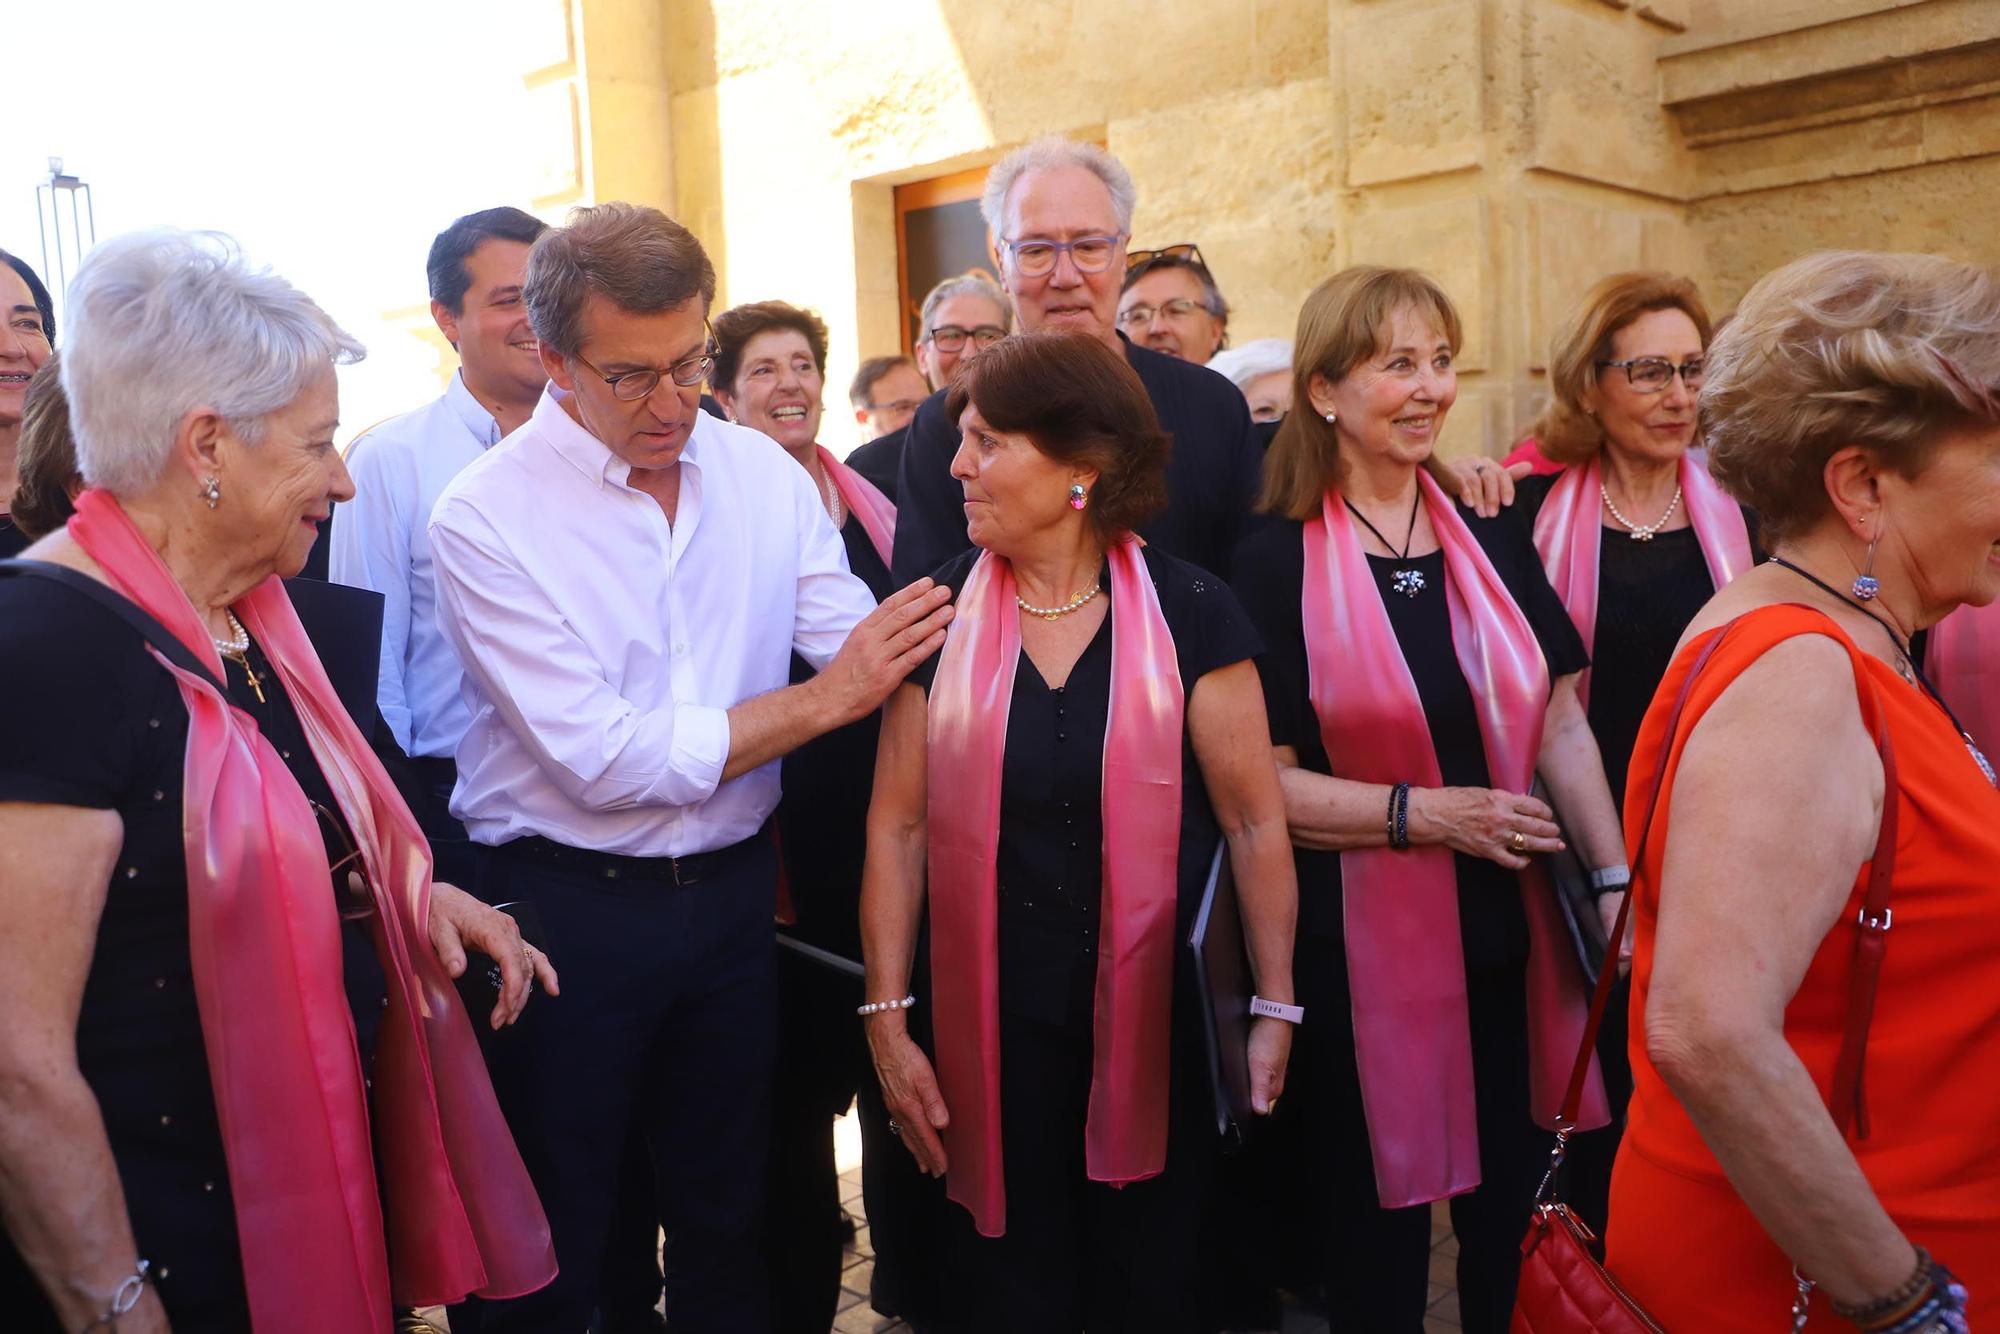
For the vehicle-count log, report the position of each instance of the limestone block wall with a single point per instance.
(1518, 149)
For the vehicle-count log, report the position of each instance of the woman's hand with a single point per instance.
(1270, 1053)
(1484, 822)
(1607, 911)
(460, 922)
(910, 1091)
(1480, 484)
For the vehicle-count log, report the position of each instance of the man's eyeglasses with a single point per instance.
(1090, 254)
(634, 385)
(900, 405)
(1187, 252)
(951, 338)
(1651, 375)
(1138, 317)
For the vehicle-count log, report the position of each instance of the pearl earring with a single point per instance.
(1329, 419)
(211, 491)
(1076, 495)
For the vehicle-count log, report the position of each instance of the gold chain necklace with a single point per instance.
(1056, 613)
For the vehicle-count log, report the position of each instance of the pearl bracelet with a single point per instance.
(877, 1007)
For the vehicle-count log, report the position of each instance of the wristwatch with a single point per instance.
(1265, 1009)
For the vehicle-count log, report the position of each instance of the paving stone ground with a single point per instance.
(854, 1316)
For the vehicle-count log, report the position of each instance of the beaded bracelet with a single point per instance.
(877, 1007)
(1930, 1299)
(1399, 817)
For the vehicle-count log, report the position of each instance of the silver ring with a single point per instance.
(895, 1129)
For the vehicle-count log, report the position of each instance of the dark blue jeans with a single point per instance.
(665, 1023)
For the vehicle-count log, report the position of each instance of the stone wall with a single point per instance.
(1518, 149)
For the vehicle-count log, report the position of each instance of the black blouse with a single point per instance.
(1270, 577)
(1051, 849)
(822, 818)
(89, 718)
(1647, 593)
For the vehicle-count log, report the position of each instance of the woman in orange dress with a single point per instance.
(1851, 403)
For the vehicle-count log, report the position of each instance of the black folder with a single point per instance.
(1223, 983)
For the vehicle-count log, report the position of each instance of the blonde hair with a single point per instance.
(1567, 433)
(1846, 348)
(1341, 325)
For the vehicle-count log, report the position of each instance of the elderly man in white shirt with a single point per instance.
(625, 579)
(381, 538)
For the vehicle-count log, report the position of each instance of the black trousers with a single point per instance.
(820, 1061)
(665, 1022)
(451, 851)
(1078, 1254)
(1377, 1264)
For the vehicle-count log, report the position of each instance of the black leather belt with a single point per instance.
(682, 871)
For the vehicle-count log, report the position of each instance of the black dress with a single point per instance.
(1212, 472)
(822, 1052)
(1647, 594)
(1077, 1252)
(90, 719)
(1377, 1260)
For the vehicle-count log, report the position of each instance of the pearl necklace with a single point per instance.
(237, 650)
(832, 496)
(1636, 531)
(1056, 613)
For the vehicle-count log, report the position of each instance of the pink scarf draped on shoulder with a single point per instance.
(1963, 662)
(1125, 1135)
(1569, 534)
(1406, 967)
(264, 937)
(864, 501)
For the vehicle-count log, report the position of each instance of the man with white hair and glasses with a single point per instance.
(1060, 214)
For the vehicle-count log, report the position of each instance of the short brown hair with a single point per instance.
(735, 327)
(635, 257)
(1567, 433)
(1846, 348)
(1081, 403)
(1341, 325)
(861, 393)
(47, 456)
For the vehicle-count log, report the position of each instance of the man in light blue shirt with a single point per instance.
(381, 540)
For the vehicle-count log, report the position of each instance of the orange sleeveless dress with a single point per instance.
(1680, 1239)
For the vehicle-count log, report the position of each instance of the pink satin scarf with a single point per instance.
(1570, 535)
(1406, 967)
(1125, 1133)
(265, 941)
(1963, 662)
(864, 501)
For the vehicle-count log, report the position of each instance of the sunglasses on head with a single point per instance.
(1187, 252)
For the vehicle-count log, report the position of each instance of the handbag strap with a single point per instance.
(118, 605)
(1846, 1100)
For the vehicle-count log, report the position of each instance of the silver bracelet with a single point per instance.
(124, 1298)
(877, 1007)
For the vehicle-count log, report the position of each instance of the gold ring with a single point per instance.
(1519, 841)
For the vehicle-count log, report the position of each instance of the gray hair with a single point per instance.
(1052, 152)
(974, 283)
(162, 321)
(1259, 356)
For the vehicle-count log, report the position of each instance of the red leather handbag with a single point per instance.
(1564, 1287)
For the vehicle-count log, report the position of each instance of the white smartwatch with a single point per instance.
(1265, 1009)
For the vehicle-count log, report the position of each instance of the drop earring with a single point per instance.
(1076, 495)
(1866, 586)
(211, 491)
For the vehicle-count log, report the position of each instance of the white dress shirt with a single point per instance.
(603, 648)
(381, 540)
